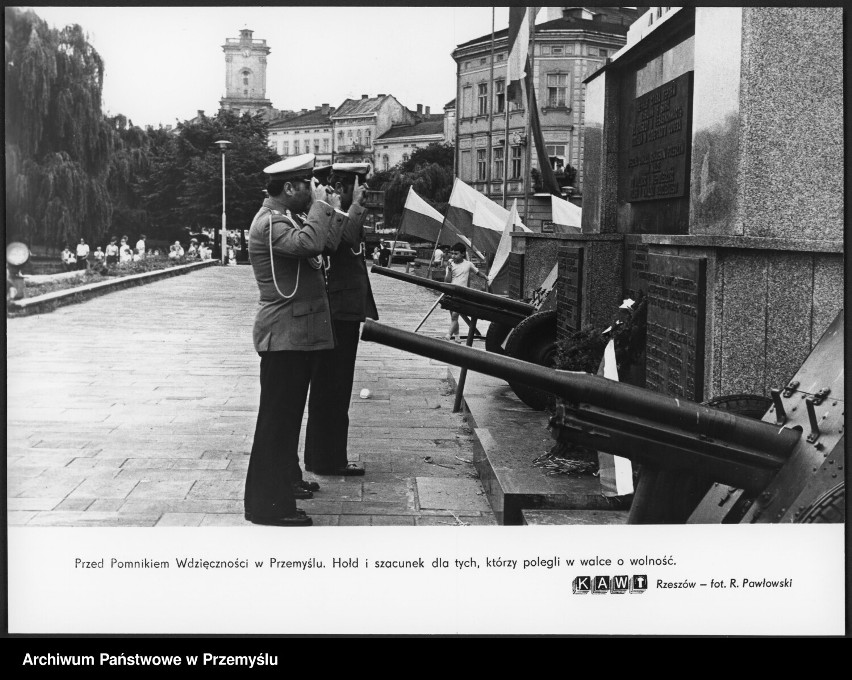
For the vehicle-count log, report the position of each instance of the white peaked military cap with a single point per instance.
(294, 168)
(627, 304)
(360, 169)
(322, 173)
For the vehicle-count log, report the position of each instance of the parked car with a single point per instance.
(402, 251)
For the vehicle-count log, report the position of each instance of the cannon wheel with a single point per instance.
(495, 335)
(669, 496)
(828, 508)
(533, 340)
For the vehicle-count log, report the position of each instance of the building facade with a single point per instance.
(306, 132)
(245, 74)
(397, 144)
(356, 124)
(567, 50)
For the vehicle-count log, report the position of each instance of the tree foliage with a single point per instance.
(58, 144)
(184, 187)
(429, 170)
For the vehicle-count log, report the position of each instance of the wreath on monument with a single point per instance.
(584, 351)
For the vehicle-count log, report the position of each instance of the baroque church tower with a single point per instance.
(245, 75)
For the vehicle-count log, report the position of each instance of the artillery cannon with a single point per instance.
(518, 329)
(698, 464)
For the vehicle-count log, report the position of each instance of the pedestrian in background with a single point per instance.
(112, 252)
(459, 270)
(69, 260)
(82, 254)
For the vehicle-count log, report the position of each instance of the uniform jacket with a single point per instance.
(296, 314)
(349, 289)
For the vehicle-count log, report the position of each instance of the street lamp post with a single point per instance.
(223, 145)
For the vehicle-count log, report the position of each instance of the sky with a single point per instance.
(163, 64)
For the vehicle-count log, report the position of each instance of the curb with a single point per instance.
(50, 301)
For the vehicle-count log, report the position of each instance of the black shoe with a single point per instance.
(349, 470)
(301, 494)
(297, 520)
(299, 513)
(305, 485)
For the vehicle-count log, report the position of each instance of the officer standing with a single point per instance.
(352, 302)
(292, 331)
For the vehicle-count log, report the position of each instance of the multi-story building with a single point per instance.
(356, 124)
(306, 132)
(245, 74)
(398, 143)
(567, 50)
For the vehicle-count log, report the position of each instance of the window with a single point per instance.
(245, 93)
(498, 162)
(557, 89)
(556, 153)
(325, 145)
(603, 52)
(466, 108)
(285, 148)
(480, 165)
(296, 147)
(499, 96)
(557, 50)
(358, 138)
(245, 80)
(483, 99)
(369, 135)
(339, 139)
(482, 61)
(386, 162)
(500, 57)
(316, 146)
(404, 157)
(516, 162)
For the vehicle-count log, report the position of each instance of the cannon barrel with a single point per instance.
(477, 297)
(758, 444)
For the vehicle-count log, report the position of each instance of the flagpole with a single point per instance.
(490, 111)
(530, 90)
(432, 259)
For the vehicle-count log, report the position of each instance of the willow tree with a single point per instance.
(58, 144)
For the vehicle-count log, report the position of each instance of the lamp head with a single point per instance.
(223, 144)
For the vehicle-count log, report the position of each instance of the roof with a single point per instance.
(450, 104)
(311, 118)
(359, 107)
(557, 25)
(427, 127)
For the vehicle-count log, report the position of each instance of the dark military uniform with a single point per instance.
(351, 298)
(293, 334)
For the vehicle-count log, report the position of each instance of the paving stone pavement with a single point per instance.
(137, 408)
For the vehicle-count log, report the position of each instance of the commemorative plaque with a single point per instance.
(674, 353)
(635, 264)
(659, 147)
(570, 290)
(515, 263)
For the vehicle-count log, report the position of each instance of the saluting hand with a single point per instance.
(318, 191)
(332, 198)
(359, 193)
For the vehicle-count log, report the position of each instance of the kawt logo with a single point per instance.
(617, 585)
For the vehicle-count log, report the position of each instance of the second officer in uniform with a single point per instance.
(351, 299)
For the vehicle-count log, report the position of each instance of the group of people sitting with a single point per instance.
(119, 252)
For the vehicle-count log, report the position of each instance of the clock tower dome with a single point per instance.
(245, 74)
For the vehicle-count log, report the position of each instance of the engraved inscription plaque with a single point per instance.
(674, 362)
(657, 160)
(515, 264)
(635, 263)
(570, 288)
